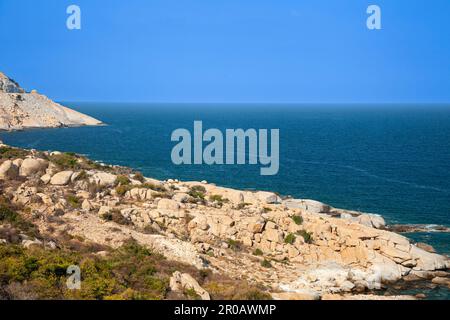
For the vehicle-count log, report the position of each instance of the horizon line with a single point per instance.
(257, 102)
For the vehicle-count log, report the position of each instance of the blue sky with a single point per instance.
(229, 50)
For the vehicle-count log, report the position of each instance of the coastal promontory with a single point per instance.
(20, 109)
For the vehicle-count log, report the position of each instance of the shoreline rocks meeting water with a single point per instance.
(290, 248)
(21, 110)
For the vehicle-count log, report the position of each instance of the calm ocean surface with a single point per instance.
(389, 159)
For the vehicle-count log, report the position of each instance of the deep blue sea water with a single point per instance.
(388, 159)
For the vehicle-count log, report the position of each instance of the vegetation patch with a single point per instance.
(73, 201)
(258, 252)
(9, 215)
(290, 238)
(198, 192)
(306, 236)
(242, 205)
(122, 180)
(12, 153)
(234, 245)
(298, 219)
(266, 263)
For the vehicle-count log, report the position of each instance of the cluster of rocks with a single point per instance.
(296, 248)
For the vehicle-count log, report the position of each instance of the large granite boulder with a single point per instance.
(61, 178)
(31, 166)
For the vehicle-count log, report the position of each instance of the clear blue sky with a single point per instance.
(229, 50)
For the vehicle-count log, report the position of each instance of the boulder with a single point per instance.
(104, 178)
(441, 281)
(267, 197)
(180, 197)
(31, 166)
(29, 243)
(257, 226)
(46, 178)
(61, 178)
(104, 210)
(427, 261)
(308, 205)
(371, 220)
(87, 205)
(425, 247)
(18, 162)
(168, 204)
(184, 281)
(273, 235)
(8, 170)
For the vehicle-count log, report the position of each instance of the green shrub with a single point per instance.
(234, 245)
(298, 220)
(191, 294)
(139, 177)
(258, 252)
(67, 160)
(73, 201)
(218, 198)
(83, 176)
(121, 190)
(266, 209)
(118, 218)
(152, 186)
(242, 205)
(290, 239)
(198, 192)
(122, 181)
(306, 235)
(266, 263)
(8, 215)
(12, 153)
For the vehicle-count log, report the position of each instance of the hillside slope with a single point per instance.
(20, 110)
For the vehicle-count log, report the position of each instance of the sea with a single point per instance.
(390, 159)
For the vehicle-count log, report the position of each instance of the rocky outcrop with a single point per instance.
(20, 110)
(184, 281)
(301, 249)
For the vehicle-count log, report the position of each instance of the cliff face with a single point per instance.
(21, 110)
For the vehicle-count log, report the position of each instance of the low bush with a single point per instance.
(298, 220)
(67, 160)
(12, 153)
(290, 239)
(258, 252)
(139, 177)
(266, 263)
(9, 215)
(234, 245)
(198, 192)
(122, 180)
(306, 236)
(242, 205)
(121, 190)
(73, 201)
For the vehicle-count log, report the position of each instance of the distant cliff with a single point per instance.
(20, 110)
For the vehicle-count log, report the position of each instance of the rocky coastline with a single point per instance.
(287, 248)
(24, 110)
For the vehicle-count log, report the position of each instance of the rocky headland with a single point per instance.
(215, 241)
(20, 109)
